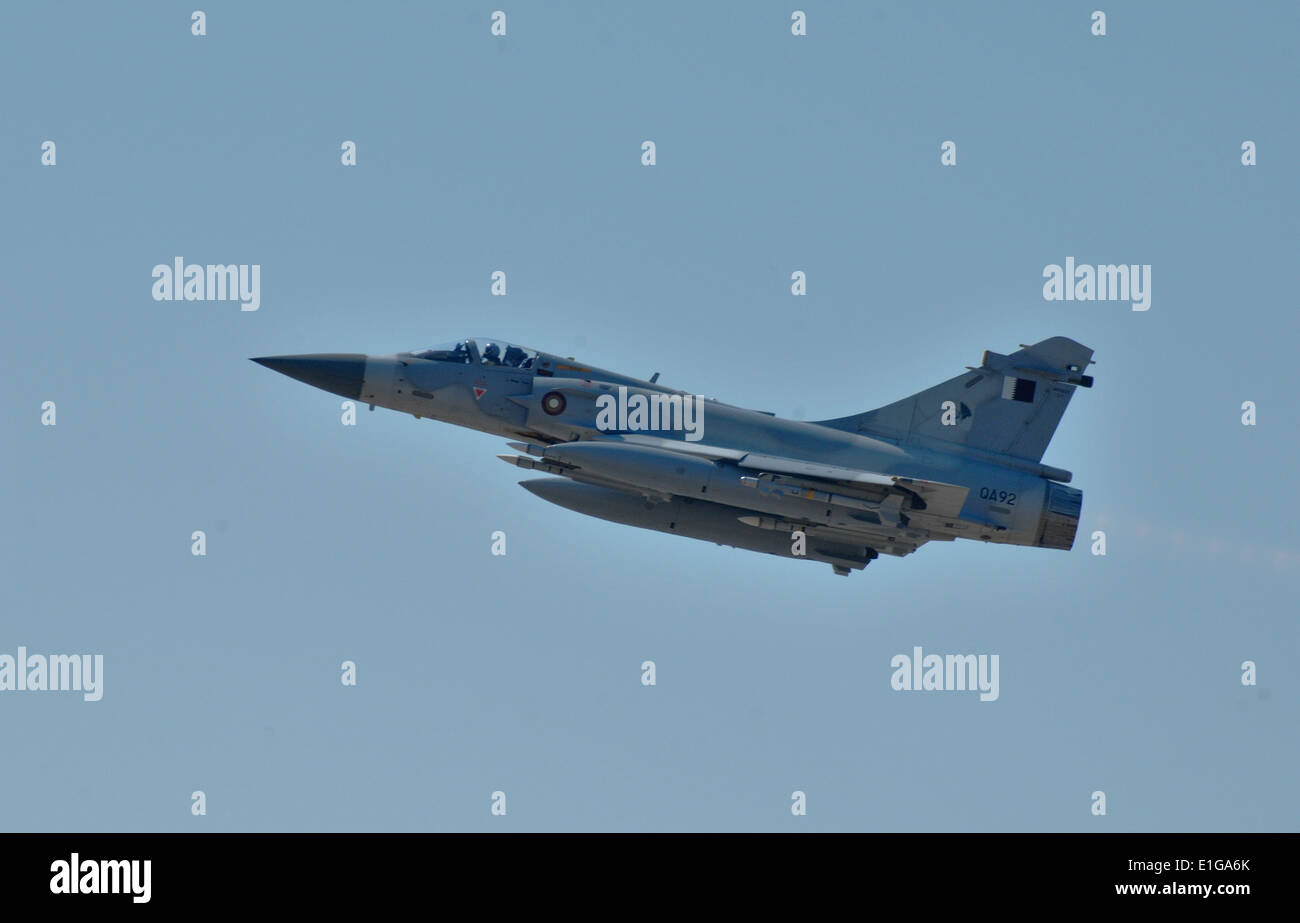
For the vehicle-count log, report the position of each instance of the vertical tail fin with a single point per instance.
(1010, 405)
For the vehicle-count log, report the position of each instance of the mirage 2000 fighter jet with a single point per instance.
(959, 460)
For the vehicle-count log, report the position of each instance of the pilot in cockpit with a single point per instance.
(492, 354)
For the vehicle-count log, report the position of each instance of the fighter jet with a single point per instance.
(959, 460)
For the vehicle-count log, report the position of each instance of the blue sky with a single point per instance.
(521, 673)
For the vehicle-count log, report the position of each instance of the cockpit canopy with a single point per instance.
(490, 352)
(443, 352)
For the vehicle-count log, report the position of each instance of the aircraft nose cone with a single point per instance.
(337, 373)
